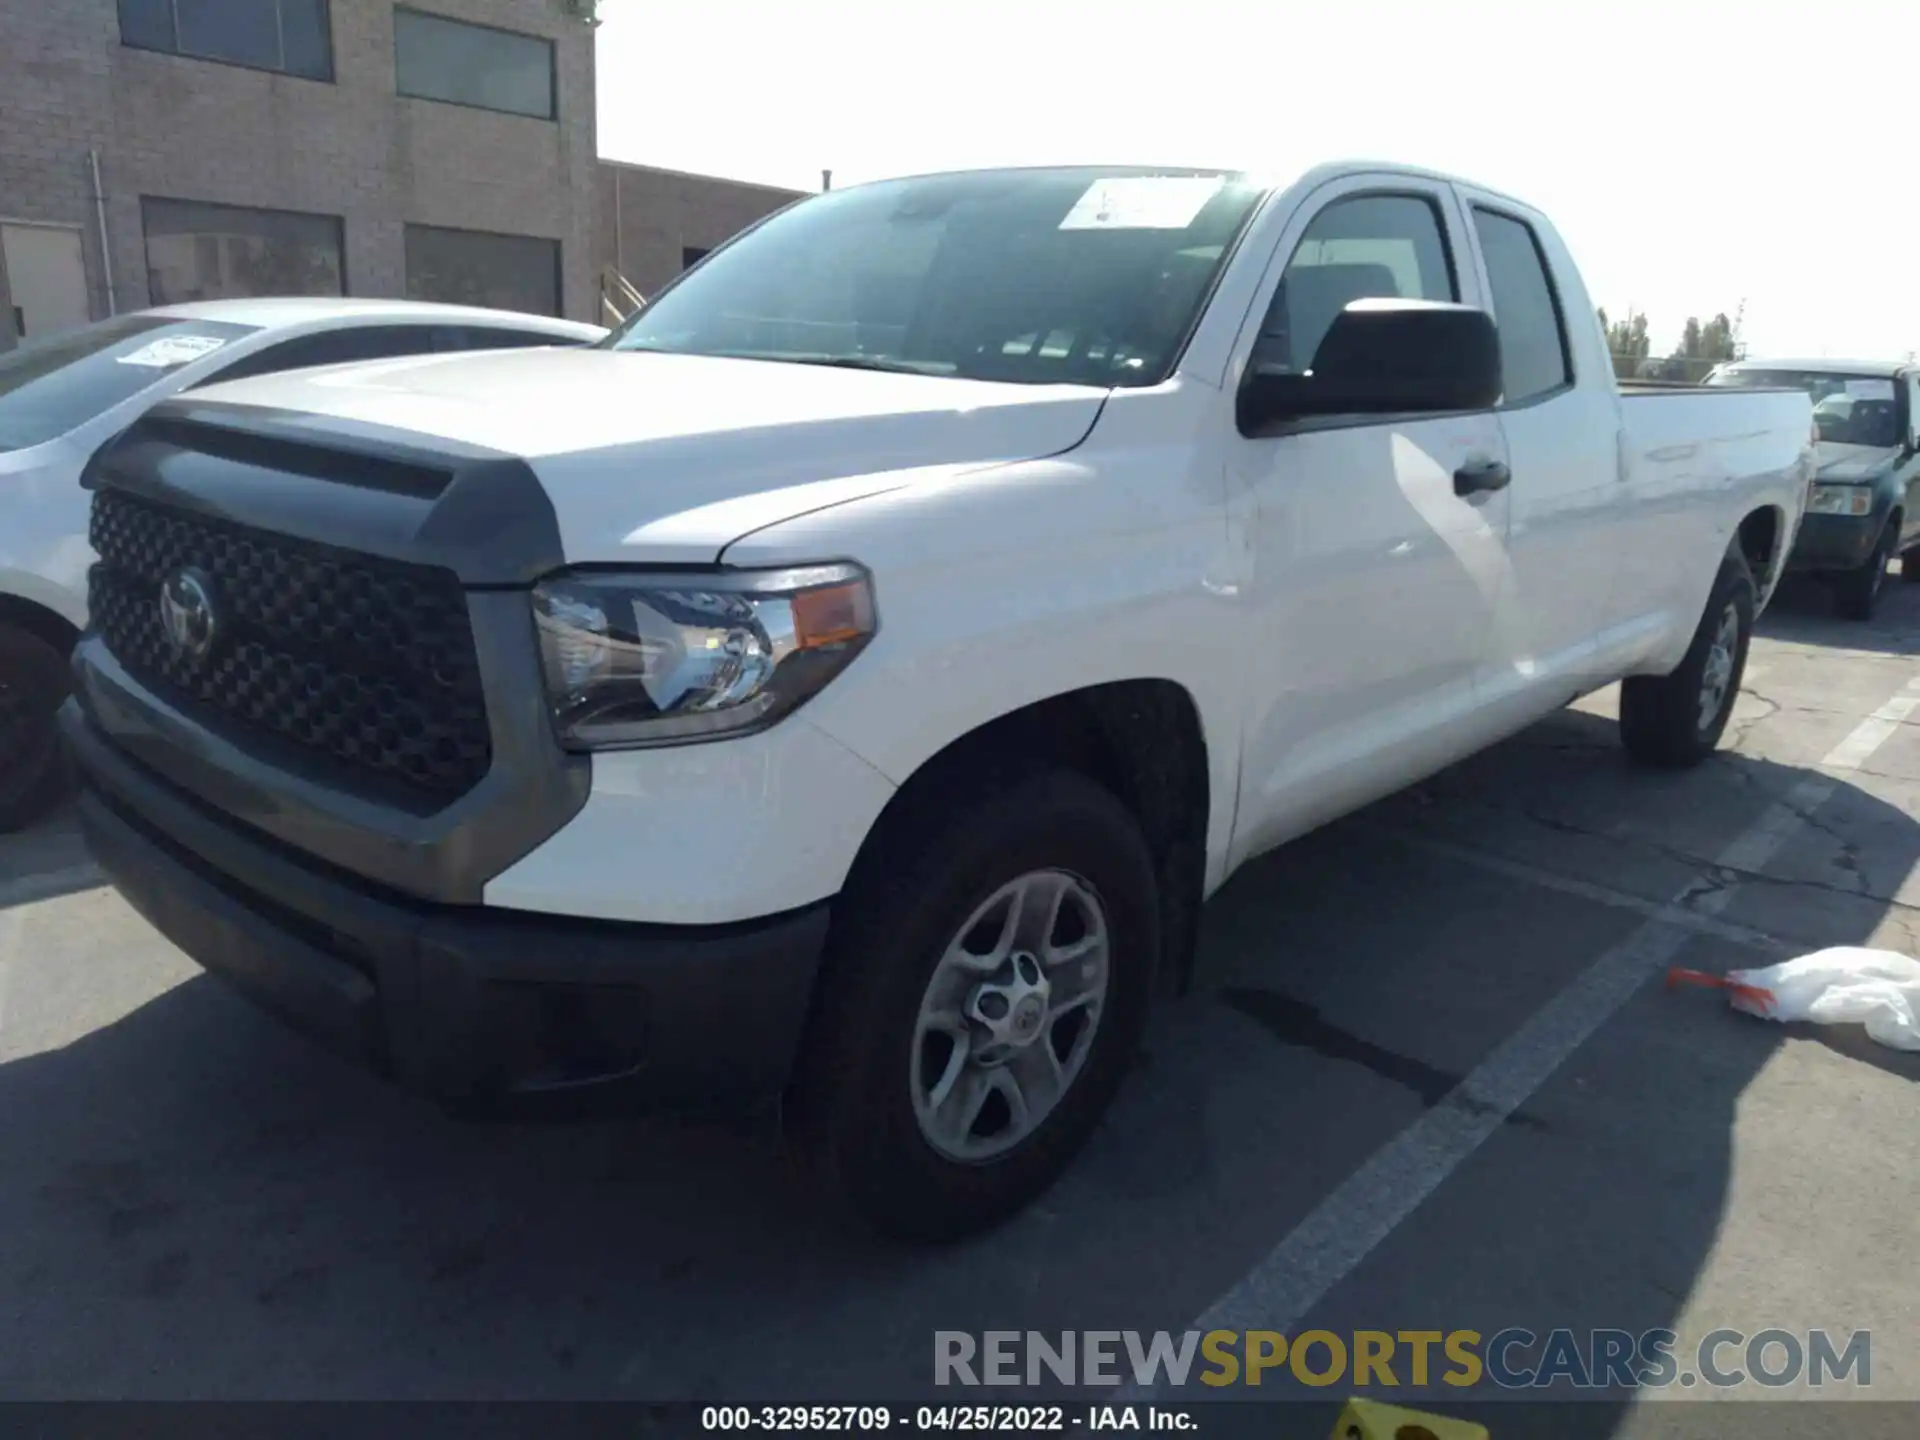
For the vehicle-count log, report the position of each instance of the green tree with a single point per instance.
(1701, 347)
(1627, 342)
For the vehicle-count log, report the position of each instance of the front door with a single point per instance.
(46, 277)
(1377, 588)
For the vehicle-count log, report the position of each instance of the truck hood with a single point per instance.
(656, 457)
(1855, 463)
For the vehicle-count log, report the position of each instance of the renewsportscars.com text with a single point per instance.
(1511, 1359)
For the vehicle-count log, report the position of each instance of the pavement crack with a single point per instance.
(1562, 826)
(1741, 729)
(1721, 877)
(1849, 859)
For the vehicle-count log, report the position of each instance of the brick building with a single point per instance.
(442, 149)
(654, 223)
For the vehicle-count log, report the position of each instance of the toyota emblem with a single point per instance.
(187, 614)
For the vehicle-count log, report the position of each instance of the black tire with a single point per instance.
(1660, 715)
(34, 681)
(850, 1112)
(1856, 593)
(1910, 566)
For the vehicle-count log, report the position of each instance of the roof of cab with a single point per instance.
(282, 310)
(1888, 368)
(1273, 180)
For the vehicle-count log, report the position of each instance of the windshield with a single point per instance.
(1091, 277)
(48, 387)
(1848, 409)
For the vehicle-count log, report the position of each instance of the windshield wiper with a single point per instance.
(837, 362)
(862, 362)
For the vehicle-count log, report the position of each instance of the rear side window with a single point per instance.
(1365, 247)
(1534, 357)
(51, 386)
(331, 347)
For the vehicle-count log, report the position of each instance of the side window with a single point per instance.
(333, 347)
(1363, 247)
(1533, 334)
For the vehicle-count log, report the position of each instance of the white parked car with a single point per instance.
(63, 397)
(850, 679)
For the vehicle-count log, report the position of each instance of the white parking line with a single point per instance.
(13, 924)
(1345, 1227)
(1868, 736)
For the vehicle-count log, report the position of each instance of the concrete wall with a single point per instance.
(660, 214)
(191, 129)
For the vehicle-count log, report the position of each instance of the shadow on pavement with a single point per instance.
(1598, 1204)
(44, 862)
(196, 1204)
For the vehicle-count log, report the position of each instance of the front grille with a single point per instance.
(357, 668)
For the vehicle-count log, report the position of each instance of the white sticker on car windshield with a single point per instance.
(171, 350)
(1875, 389)
(1142, 202)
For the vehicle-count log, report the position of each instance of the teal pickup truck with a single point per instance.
(1865, 506)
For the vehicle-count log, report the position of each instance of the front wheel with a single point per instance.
(1673, 721)
(1856, 593)
(983, 993)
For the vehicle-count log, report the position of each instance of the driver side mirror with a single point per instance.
(1384, 357)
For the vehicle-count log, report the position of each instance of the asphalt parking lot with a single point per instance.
(1431, 1081)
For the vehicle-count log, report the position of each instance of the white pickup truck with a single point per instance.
(847, 682)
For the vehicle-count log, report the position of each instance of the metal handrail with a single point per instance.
(618, 297)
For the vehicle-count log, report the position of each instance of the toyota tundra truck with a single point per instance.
(846, 683)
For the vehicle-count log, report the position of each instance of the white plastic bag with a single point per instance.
(1845, 985)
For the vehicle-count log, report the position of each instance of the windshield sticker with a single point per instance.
(1874, 389)
(172, 350)
(1142, 202)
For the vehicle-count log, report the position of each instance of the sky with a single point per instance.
(1695, 155)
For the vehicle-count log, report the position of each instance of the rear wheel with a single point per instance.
(33, 682)
(1856, 592)
(1910, 566)
(983, 994)
(1676, 720)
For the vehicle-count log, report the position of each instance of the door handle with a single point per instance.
(1481, 477)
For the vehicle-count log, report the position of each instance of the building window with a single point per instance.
(207, 252)
(471, 267)
(435, 58)
(293, 37)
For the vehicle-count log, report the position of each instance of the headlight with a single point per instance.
(663, 658)
(1841, 500)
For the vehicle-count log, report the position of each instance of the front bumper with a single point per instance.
(1835, 542)
(486, 1010)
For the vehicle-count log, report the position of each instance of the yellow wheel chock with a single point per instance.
(1370, 1420)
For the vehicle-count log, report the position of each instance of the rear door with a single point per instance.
(1562, 431)
(1377, 588)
